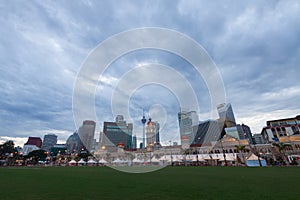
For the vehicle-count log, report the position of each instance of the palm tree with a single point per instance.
(281, 148)
(241, 148)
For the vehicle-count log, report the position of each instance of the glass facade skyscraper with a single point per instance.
(117, 134)
(187, 119)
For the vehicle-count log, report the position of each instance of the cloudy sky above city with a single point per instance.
(44, 44)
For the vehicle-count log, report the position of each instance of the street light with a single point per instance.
(223, 152)
(171, 153)
(258, 155)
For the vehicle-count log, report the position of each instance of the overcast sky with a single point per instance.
(43, 44)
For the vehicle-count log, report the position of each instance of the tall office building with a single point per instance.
(245, 132)
(152, 132)
(226, 114)
(117, 134)
(49, 141)
(86, 133)
(134, 142)
(240, 132)
(187, 119)
(74, 144)
(206, 132)
(226, 117)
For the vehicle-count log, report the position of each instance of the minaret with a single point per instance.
(143, 120)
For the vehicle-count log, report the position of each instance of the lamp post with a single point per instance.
(223, 152)
(258, 155)
(171, 153)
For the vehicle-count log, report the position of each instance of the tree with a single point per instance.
(8, 152)
(37, 155)
(7, 148)
(241, 148)
(281, 148)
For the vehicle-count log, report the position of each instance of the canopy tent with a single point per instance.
(136, 160)
(229, 157)
(81, 162)
(102, 161)
(252, 161)
(72, 163)
(120, 161)
(155, 160)
(165, 158)
(91, 162)
(176, 158)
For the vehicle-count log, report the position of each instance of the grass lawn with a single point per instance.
(167, 183)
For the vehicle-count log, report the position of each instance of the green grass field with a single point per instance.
(167, 183)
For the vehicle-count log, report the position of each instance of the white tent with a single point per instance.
(155, 160)
(72, 163)
(119, 161)
(91, 162)
(176, 158)
(136, 160)
(81, 162)
(102, 161)
(165, 158)
(229, 157)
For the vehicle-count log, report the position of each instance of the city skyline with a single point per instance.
(255, 46)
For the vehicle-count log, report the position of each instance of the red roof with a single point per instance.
(34, 141)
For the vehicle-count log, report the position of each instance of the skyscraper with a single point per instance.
(49, 141)
(134, 142)
(86, 133)
(245, 132)
(206, 132)
(117, 134)
(74, 143)
(226, 115)
(152, 132)
(187, 119)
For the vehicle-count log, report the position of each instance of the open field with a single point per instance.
(168, 183)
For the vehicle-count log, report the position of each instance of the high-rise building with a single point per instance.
(226, 114)
(232, 132)
(206, 132)
(86, 133)
(187, 119)
(240, 132)
(49, 141)
(152, 132)
(134, 142)
(245, 132)
(226, 117)
(117, 134)
(74, 144)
